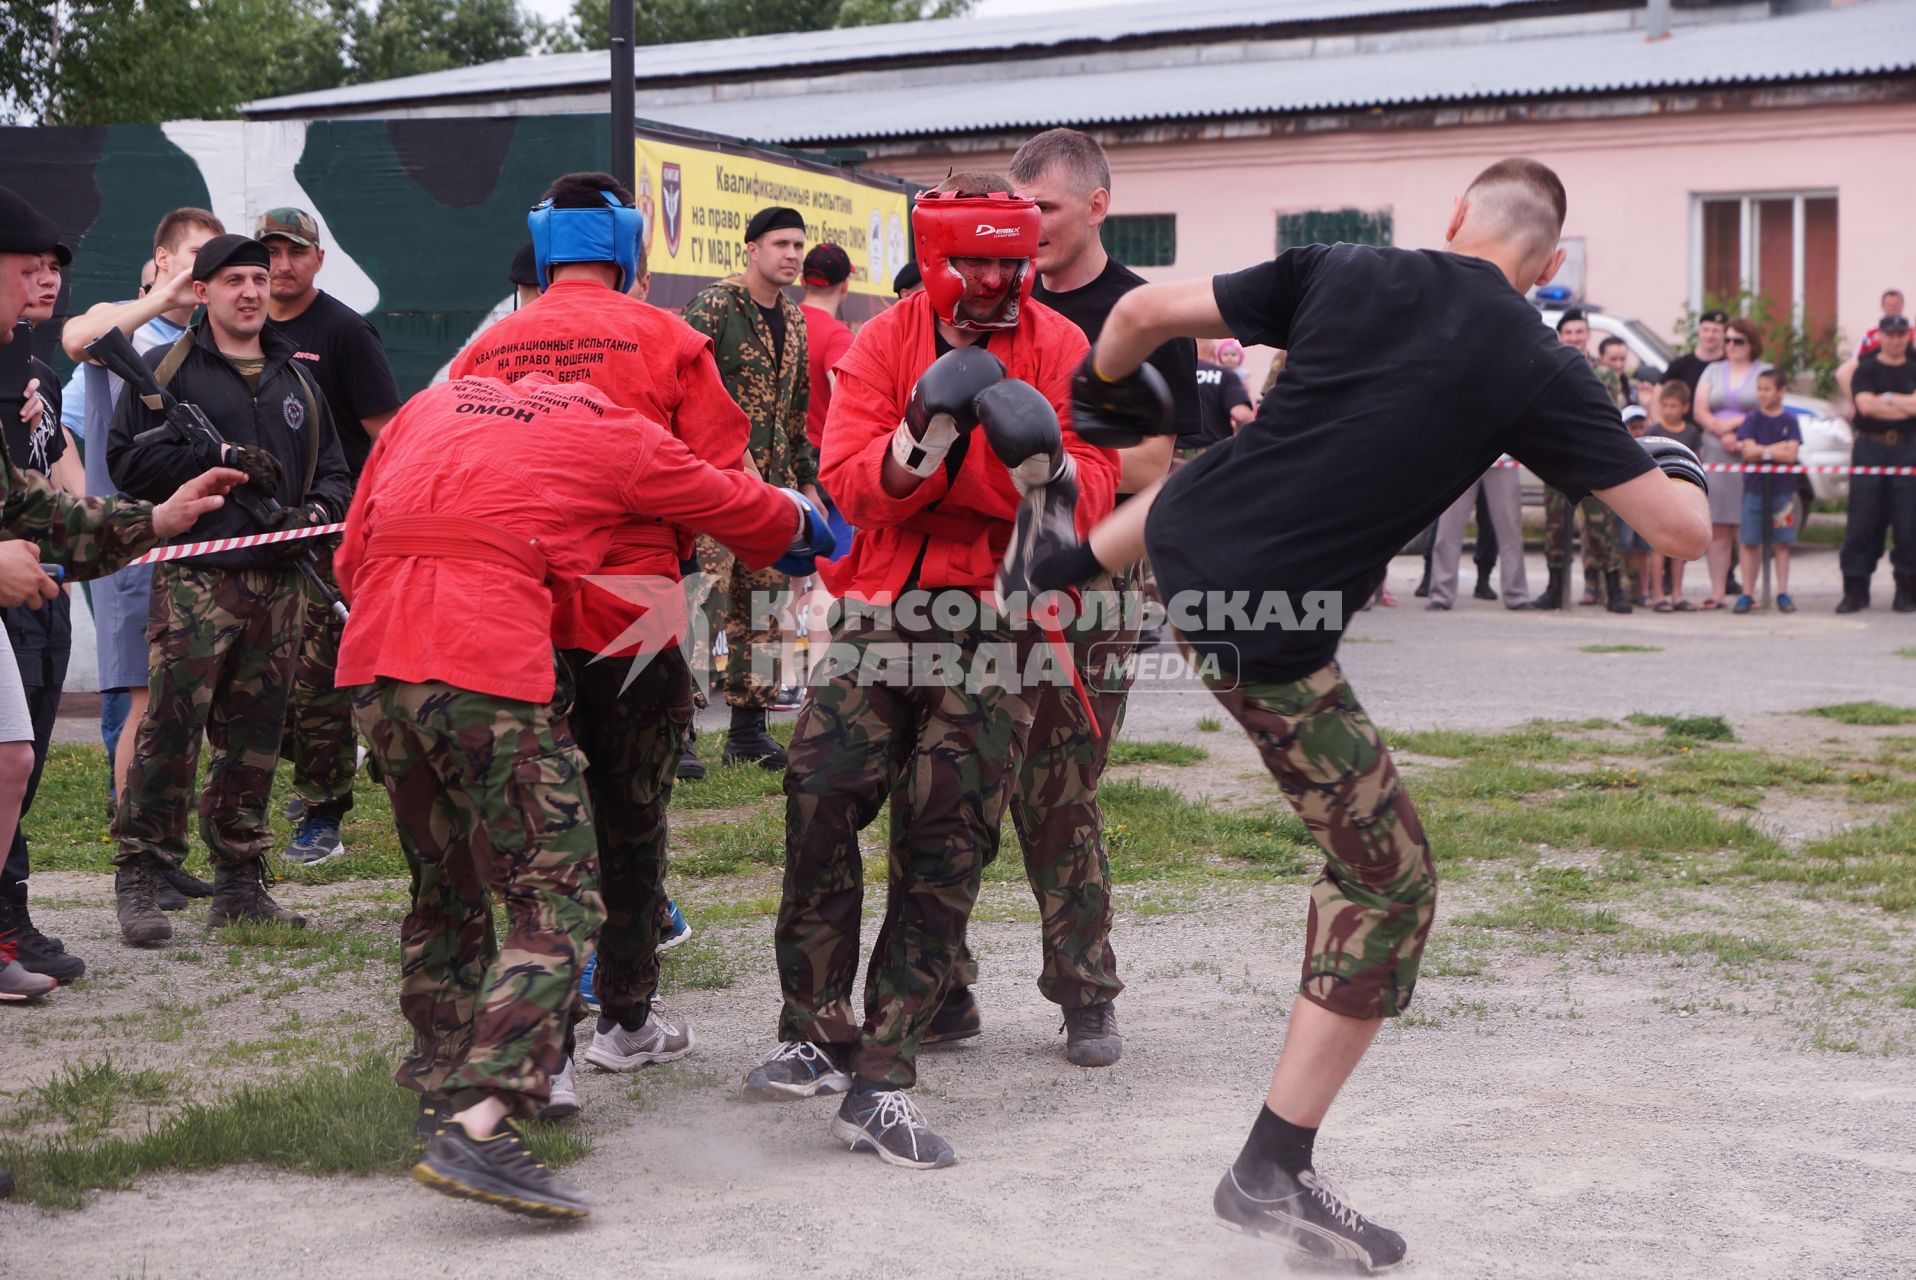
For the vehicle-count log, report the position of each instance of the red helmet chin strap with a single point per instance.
(998, 225)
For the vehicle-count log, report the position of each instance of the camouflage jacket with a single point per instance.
(1612, 382)
(773, 394)
(89, 537)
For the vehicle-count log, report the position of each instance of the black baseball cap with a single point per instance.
(1893, 324)
(229, 250)
(1714, 316)
(525, 267)
(1647, 372)
(827, 265)
(24, 229)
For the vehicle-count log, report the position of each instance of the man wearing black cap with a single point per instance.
(907, 282)
(1711, 329)
(339, 349)
(1884, 389)
(758, 338)
(225, 629)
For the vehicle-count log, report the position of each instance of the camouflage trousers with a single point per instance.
(741, 605)
(1372, 904)
(631, 737)
(221, 645)
(1600, 551)
(489, 797)
(944, 753)
(1054, 808)
(319, 720)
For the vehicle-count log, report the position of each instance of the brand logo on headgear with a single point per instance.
(986, 229)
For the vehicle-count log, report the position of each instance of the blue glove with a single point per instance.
(815, 540)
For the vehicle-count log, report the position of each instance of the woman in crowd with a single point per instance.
(1726, 393)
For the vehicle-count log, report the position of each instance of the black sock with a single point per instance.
(1275, 1144)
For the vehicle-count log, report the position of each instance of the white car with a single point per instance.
(1826, 437)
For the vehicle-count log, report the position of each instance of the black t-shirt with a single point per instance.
(1689, 368)
(1363, 443)
(1087, 307)
(1219, 390)
(775, 319)
(1873, 377)
(37, 445)
(340, 351)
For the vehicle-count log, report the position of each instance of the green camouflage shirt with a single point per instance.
(89, 537)
(773, 394)
(1612, 382)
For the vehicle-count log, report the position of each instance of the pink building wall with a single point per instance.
(1631, 184)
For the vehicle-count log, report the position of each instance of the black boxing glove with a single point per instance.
(940, 408)
(1676, 460)
(1116, 414)
(1024, 432)
(1046, 528)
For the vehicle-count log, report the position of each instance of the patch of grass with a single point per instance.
(87, 1096)
(1534, 742)
(327, 1120)
(1695, 728)
(726, 786)
(1875, 863)
(1543, 914)
(1209, 724)
(1152, 832)
(1865, 713)
(1620, 648)
(1729, 949)
(1175, 753)
(733, 844)
(1906, 653)
(702, 965)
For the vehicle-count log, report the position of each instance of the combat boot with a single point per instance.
(749, 743)
(1855, 595)
(1616, 599)
(1552, 597)
(36, 952)
(137, 885)
(1905, 601)
(239, 893)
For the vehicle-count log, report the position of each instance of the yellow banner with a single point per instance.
(697, 199)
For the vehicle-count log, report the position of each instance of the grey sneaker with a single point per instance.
(1091, 1035)
(18, 984)
(889, 1122)
(563, 1102)
(797, 1069)
(1308, 1215)
(316, 841)
(499, 1171)
(613, 1048)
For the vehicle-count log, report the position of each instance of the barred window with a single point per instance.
(1141, 239)
(1330, 226)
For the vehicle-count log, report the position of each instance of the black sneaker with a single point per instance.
(36, 952)
(433, 1110)
(1091, 1035)
(1308, 1215)
(797, 1069)
(889, 1122)
(499, 1171)
(957, 1018)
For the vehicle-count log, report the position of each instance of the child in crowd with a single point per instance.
(1632, 546)
(1673, 420)
(1772, 435)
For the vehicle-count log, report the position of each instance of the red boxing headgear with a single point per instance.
(998, 225)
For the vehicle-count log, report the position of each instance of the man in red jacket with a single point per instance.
(472, 519)
(946, 410)
(632, 728)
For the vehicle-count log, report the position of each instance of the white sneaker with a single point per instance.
(655, 1041)
(563, 1102)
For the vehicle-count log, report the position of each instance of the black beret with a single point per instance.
(229, 250)
(907, 278)
(776, 218)
(525, 267)
(23, 228)
(1714, 317)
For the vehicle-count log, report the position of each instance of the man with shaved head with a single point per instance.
(1359, 446)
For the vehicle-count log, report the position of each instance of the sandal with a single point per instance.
(1663, 606)
(1684, 606)
(1712, 603)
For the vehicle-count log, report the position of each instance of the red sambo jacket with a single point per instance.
(972, 511)
(642, 358)
(484, 502)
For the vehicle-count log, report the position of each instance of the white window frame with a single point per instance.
(1748, 269)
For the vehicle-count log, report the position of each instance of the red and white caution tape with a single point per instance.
(158, 554)
(1777, 468)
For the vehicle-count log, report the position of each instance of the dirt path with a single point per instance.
(1546, 1116)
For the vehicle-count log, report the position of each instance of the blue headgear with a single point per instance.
(611, 234)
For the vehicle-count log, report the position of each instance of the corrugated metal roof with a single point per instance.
(788, 52)
(1875, 37)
